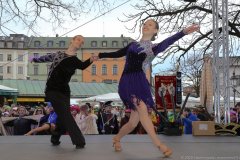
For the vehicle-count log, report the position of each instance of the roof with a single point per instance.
(6, 91)
(34, 88)
(87, 42)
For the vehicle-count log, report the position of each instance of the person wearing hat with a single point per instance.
(74, 109)
(107, 122)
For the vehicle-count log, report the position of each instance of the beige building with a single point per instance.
(40, 46)
(106, 70)
(16, 50)
(13, 56)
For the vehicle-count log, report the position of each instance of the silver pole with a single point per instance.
(221, 44)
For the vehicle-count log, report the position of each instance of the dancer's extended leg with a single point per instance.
(127, 128)
(148, 126)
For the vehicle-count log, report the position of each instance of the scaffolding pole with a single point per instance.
(221, 48)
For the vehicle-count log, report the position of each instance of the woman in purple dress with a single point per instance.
(134, 87)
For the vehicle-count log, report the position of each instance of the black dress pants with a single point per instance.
(65, 121)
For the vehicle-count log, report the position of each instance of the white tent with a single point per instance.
(103, 97)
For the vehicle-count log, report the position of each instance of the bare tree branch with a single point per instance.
(173, 16)
(30, 12)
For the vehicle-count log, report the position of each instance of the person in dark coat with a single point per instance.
(107, 122)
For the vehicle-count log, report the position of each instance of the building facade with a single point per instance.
(16, 50)
(13, 56)
(106, 70)
(40, 46)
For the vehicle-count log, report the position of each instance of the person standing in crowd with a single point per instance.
(91, 123)
(237, 106)
(134, 89)
(107, 122)
(21, 125)
(64, 64)
(188, 117)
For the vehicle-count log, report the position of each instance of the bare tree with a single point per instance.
(174, 15)
(191, 68)
(29, 12)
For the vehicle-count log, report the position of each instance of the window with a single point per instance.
(125, 43)
(9, 57)
(35, 70)
(94, 69)
(37, 43)
(20, 44)
(9, 69)
(62, 44)
(1, 57)
(1, 44)
(114, 44)
(109, 81)
(115, 69)
(94, 44)
(49, 43)
(35, 54)
(20, 58)
(9, 44)
(104, 69)
(20, 70)
(1, 69)
(104, 43)
(93, 81)
(115, 81)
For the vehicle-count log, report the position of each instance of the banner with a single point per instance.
(168, 85)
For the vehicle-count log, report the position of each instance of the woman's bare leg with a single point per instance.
(130, 125)
(127, 128)
(148, 126)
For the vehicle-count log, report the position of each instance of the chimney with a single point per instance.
(56, 35)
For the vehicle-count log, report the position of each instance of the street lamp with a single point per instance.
(234, 84)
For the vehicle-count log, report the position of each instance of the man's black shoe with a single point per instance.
(56, 143)
(80, 146)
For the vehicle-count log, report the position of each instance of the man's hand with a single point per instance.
(94, 58)
(30, 59)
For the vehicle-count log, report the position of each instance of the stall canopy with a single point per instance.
(103, 97)
(7, 91)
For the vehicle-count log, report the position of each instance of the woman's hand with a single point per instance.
(191, 29)
(94, 58)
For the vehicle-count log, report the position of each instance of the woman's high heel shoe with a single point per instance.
(167, 152)
(116, 144)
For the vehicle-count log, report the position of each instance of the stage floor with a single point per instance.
(135, 147)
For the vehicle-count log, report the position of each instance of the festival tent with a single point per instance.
(104, 97)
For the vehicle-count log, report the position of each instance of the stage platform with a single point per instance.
(135, 147)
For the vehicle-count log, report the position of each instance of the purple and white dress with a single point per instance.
(133, 85)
